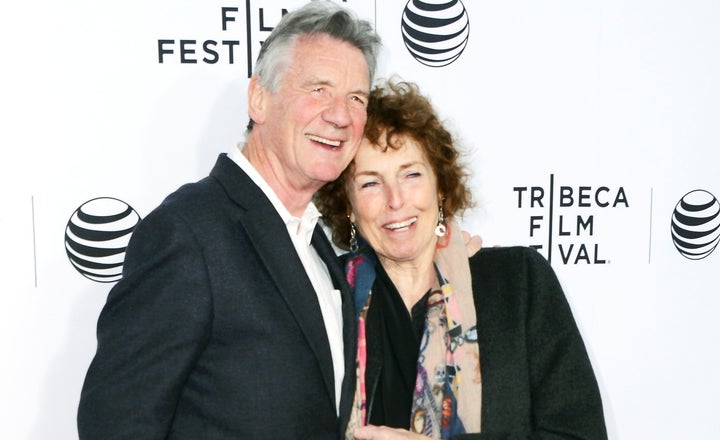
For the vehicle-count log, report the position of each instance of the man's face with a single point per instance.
(314, 121)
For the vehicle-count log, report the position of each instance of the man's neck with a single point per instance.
(295, 198)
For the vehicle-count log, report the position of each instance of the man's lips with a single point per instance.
(334, 143)
(401, 225)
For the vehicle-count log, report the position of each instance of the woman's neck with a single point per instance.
(412, 279)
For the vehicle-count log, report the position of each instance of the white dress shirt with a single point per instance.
(300, 231)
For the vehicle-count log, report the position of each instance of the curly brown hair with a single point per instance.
(398, 110)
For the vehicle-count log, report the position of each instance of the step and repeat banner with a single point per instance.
(590, 128)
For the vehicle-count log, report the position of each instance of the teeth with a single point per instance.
(401, 225)
(312, 137)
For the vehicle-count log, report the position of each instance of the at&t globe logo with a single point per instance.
(96, 237)
(696, 224)
(435, 31)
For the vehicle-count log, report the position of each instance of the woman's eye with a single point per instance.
(412, 174)
(363, 184)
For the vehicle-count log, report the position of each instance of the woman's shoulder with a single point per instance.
(511, 267)
(507, 258)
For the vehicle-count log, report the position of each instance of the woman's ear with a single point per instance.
(257, 101)
(351, 216)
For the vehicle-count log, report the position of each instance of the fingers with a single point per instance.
(371, 432)
(472, 243)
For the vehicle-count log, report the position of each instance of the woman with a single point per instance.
(485, 347)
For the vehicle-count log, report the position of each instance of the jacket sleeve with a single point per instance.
(565, 401)
(152, 328)
(565, 396)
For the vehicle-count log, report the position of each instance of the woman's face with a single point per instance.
(394, 200)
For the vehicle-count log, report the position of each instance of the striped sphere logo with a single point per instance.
(96, 237)
(696, 224)
(435, 31)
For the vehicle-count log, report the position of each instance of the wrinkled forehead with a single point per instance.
(372, 155)
(307, 51)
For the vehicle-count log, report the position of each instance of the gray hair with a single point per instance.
(315, 18)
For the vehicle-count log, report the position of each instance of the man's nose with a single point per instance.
(337, 113)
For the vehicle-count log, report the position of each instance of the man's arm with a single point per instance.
(152, 328)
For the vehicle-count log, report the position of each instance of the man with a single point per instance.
(228, 322)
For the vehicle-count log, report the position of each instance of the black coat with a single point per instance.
(215, 331)
(537, 380)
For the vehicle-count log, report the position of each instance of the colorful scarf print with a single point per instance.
(448, 388)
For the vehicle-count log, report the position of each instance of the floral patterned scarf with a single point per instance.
(448, 387)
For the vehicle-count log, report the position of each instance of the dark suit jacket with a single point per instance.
(537, 380)
(215, 331)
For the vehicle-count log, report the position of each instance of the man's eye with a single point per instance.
(358, 99)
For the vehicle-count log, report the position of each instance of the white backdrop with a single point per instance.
(581, 104)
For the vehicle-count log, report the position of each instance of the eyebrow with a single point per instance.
(315, 81)
(377, 173)
(365, 173)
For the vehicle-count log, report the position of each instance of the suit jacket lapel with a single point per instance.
(266, 230)
(337, 273)
(375, 331)
(326, 252)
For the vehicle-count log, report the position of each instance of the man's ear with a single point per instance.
(257, 100)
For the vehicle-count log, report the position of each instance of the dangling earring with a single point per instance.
(440, 229)
(353, 238)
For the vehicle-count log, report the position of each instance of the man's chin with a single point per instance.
(328, 175)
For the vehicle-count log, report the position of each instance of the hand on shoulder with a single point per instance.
(473, 243)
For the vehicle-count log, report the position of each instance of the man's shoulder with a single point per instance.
(196, 201)
(190, 197)
(225, 182)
